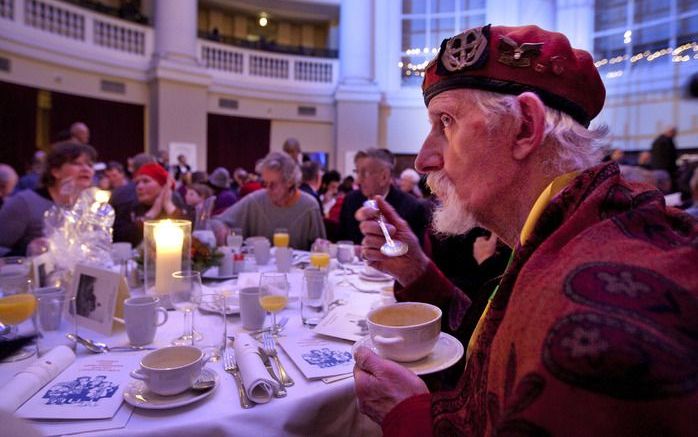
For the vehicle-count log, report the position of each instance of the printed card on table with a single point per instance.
(347, 322)
(90, 389)
(318, 357)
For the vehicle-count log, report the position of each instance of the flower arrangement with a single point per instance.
(203, 256)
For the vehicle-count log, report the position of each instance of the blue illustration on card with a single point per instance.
(326, 358)
(82, 391)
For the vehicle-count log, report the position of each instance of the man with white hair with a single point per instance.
(279, 205)
(409, 182)
(80, 133)
(592, 329)
(8, 181)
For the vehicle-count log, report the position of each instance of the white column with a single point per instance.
(575, 18)
(357, 95)
(175, 30)
(356, 42)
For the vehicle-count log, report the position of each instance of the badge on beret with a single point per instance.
(465, 50)
(517, 55)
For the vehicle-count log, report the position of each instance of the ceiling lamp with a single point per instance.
(263, 19)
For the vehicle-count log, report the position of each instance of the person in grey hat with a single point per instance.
(219, 181)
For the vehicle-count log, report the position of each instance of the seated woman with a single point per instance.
(154, 202)
(280, 205)
(68, 171)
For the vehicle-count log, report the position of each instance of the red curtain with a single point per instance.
(116, 128)
(17, 125)
(236, 141)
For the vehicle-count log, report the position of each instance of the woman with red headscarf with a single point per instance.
(155, 202)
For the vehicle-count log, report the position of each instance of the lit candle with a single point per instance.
(168, 254)
(102, 196)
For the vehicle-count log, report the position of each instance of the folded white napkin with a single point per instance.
(257, 381)
(38, 374)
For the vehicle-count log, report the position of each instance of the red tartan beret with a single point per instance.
(513, 60)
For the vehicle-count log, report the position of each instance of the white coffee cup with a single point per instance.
(284, 258)
(141, 317)
(170, 370)
(405, 331)
(226, 266)
(252, 314)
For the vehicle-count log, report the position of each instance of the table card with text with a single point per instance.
(318, 357)
(347, 322)
(89, 389)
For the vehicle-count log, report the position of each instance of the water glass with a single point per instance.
(54, 318)
(235, 239)
(314, 296)
(210, 322)
(184, 296)
(14, 275)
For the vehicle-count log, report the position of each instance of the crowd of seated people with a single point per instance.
(146, 187)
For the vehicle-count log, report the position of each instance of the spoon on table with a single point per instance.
(391, 247)
(98, 347)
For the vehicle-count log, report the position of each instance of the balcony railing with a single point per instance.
(65, 29)
(258, 65)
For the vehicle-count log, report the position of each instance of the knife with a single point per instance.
(279, 390)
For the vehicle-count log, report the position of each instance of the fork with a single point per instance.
(277, 387)
(269, 346)
(231, 366)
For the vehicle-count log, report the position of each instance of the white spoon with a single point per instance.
(391, 247)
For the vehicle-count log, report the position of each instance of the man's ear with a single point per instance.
(530, 134)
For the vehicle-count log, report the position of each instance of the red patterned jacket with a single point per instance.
(593, 331)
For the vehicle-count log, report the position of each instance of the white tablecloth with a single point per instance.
(311, 407)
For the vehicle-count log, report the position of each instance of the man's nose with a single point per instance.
(429, 158)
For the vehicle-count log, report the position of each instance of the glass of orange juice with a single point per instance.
(281, 237)
(273, 295)
(14, 310)
(320, 254)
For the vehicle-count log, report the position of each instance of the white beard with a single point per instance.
(451, 216)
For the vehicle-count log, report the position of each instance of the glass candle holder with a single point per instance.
(166, 249)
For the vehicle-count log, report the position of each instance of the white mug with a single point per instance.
(252, 314)
(170, 370)
(141, 317)
(405, 331)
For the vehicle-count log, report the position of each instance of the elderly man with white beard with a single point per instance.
(592, 329)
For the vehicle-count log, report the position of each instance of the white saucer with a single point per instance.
(208, 307)
(212, 273)
(447, 351)
(374, 278)
(138, 395)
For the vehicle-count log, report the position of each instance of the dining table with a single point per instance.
(311, 407)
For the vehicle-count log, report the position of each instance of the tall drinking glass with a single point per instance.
(273, 295)
(235, 239)
(185, 296)
(281, 237)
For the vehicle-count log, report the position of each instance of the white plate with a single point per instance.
(212, 273)
(374, 278)
(208, 307)
(138, 395)
(447, 351)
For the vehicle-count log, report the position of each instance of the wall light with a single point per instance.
(263, 19)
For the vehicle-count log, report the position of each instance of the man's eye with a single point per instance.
(446, 120)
